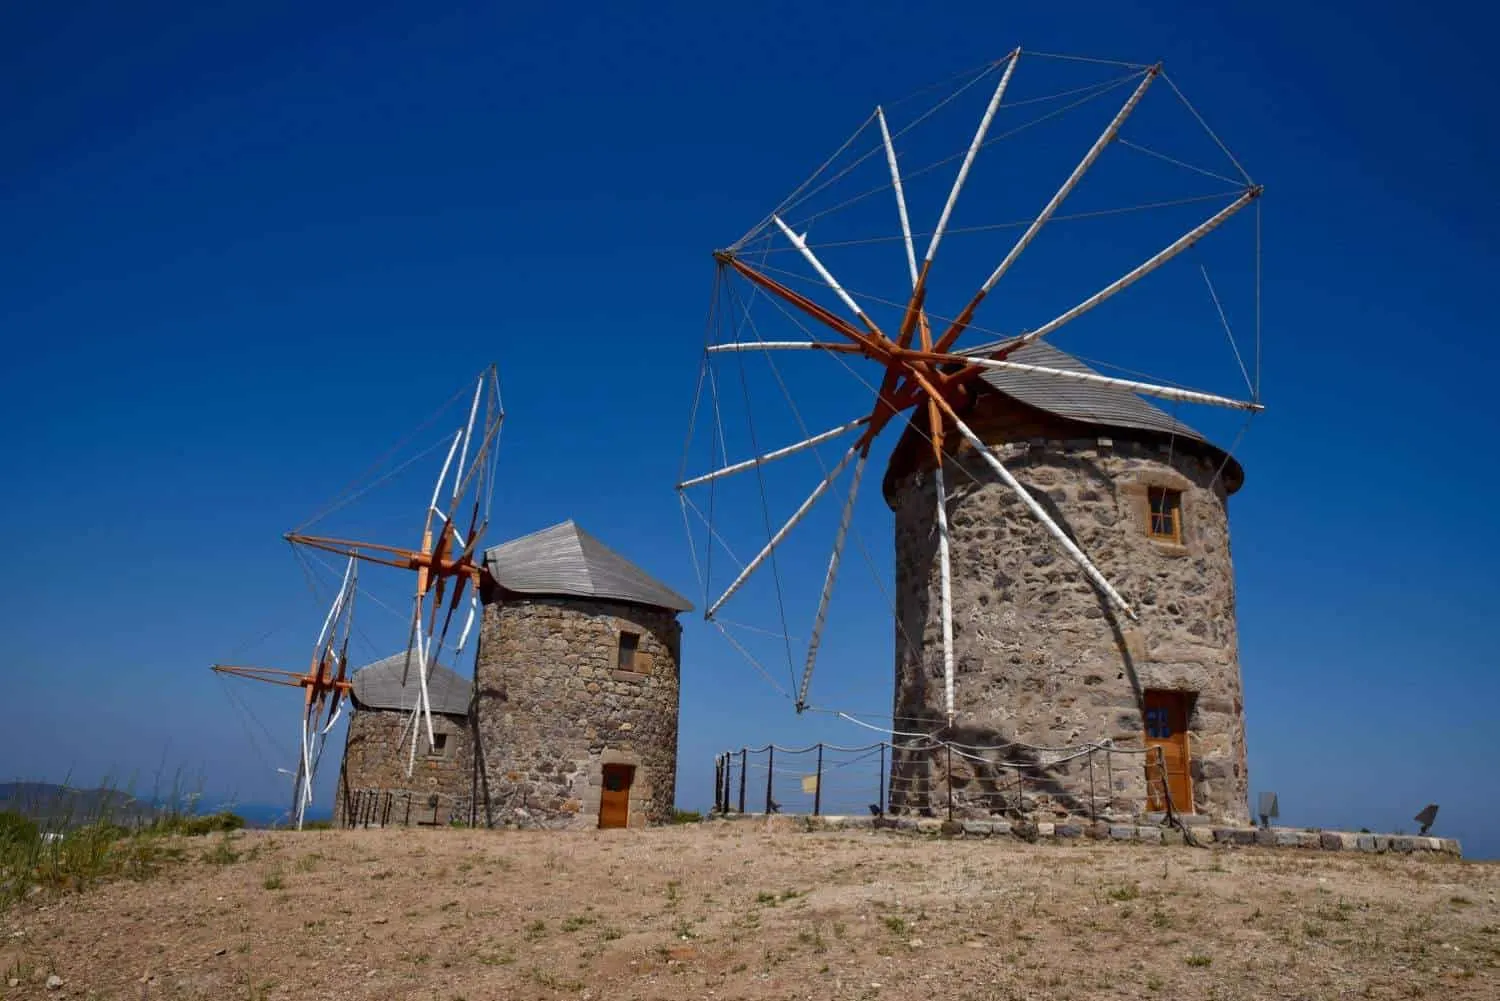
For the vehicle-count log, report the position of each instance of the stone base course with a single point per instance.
(1275, 837)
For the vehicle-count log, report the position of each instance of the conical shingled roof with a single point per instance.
(566, 560)
(1110, 410)
(1110, 406)
(378, 686)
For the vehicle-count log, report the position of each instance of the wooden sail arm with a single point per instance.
(280, 676)
(971, 366)
(873, 345)
(394, 556)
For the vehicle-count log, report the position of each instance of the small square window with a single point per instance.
(629, 644)
(1166, 514)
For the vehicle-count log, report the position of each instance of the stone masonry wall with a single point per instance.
(374, 769)
(553, 709)
(1041, 657)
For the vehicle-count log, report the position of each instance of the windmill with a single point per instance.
(325, 688)
(883, 328)
(446, 560)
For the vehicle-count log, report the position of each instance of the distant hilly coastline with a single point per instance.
(58, 806)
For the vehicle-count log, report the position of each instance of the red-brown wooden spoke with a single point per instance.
(910, 375)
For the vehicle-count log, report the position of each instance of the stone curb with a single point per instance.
(1276, 837)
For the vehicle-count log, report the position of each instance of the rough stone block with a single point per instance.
(1267, 838)
(978, 828)
(1382, 842)
(1331, 841)
(929, 825)
(1451, 846)
(1120, 832)
(1365, 842)
(1309, 839)
(1070, 830)
(1170, 837)
(1000, 828)
(1149, 835)
(1403, 845)
(1045, 830)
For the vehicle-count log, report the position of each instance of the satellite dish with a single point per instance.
(1427, 816)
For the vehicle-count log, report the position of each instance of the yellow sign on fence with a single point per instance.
(809, 784)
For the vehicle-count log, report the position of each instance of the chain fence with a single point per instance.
(927, 777)
(401, 808)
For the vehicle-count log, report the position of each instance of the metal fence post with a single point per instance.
(770, 773)
(949, 749)
(880, 792)
(1093, 799)
(1109, 773)
(818, 784)
(744, 758)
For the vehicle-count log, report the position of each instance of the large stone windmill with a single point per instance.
(1064, 599)
(1043, 659)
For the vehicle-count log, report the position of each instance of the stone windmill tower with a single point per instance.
(576, 686)
(374, 787)
(1043, 660)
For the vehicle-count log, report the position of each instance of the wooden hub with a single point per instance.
(925, 375)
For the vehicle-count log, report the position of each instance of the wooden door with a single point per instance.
(1166, 729)
(614, 798)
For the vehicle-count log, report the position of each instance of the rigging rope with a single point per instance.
(338, 502)
(1178, 163)
(1211, 133)
(996, 226)
(789, 204)
(1099, 90)
(1227, 331)
(246, 716)
(765, 508)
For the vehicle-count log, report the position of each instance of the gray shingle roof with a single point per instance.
(566, 560)
(1079, 401)
(378, 686)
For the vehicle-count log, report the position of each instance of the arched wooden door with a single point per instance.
(614, 796)
(1168, 761)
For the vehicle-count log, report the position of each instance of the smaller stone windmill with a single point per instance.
(374, 786)
(576, 686)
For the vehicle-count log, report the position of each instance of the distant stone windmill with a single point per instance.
(446, 560)
(447, 571)
(325, 689)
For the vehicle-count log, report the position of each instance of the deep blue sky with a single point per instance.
(244, 248)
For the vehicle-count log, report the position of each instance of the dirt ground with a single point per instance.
(737, 910)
